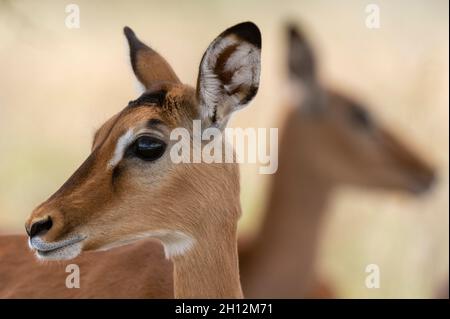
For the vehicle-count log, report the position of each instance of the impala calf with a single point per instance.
(328, 140)
(128, 189)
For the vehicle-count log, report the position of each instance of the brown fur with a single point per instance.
(103, 274)
(323, 146)
(89, 198)
(111, 204)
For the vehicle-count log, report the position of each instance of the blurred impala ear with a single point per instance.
(304, 88)
(148, 66)
(302, 61)
(229, 73)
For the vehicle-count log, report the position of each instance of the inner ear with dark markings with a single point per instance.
(229, 73)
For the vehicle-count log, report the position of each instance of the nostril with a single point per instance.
(40, 226)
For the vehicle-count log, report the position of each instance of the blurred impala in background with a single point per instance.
(51, 72)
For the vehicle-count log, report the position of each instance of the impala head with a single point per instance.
(128, 187)
(341, 138)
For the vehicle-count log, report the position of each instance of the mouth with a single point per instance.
(60, 250)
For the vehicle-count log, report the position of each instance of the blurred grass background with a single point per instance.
(57, 85)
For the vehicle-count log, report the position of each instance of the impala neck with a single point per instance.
(209, 269)
(288, 240)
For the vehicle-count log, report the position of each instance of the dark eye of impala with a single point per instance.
(360, 117)
(147, 148)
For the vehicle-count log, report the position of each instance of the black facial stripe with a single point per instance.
(116, 174)
(154, 122)
(149, 98)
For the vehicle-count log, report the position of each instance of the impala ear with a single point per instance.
(302, 61)
(304, 89)
(229, 73)
(148, 66)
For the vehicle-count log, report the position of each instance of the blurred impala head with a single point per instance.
(128, 187)
(341, 138)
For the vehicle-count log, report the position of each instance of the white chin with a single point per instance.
(63, 253)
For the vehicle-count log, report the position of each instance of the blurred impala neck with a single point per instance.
(293, 215)
(299, 193)
(287, 241)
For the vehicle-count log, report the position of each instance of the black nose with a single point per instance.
(39, 227)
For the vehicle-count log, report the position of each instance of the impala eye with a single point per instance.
(360, 117)
(147, 148)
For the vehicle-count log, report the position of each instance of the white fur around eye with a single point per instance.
(121, 146)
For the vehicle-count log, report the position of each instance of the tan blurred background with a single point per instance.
(57, 85)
